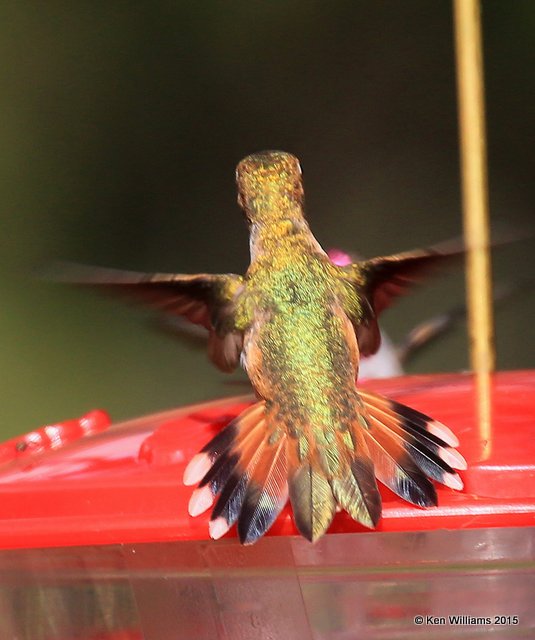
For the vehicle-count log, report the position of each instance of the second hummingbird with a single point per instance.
(299, 325)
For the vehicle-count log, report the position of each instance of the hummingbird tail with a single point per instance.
(249, 469)
(409, 449)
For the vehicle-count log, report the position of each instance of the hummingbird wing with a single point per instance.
(203, 299)
(379, 281)
(387, 278)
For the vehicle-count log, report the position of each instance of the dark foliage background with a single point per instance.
(121, 126)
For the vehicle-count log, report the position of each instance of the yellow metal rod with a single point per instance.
(475, 202)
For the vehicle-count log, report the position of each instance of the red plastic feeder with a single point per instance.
(97, 542)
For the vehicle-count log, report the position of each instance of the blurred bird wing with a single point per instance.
(203, 299)
(387, 278)
(381, 280)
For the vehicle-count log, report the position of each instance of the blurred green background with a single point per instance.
(121, 126)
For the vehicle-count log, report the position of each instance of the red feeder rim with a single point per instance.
(124, 484)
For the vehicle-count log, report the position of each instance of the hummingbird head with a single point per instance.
(270, 186)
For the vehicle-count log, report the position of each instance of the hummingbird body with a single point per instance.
(299, 323)
(296, 337)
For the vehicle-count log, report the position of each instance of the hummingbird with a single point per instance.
(299, 324)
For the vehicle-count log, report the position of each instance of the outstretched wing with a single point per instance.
(392, 276)
(203, 299)
(379, 281)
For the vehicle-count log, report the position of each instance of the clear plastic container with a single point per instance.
(347, 586)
